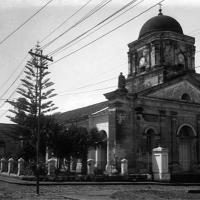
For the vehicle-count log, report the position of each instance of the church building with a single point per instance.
(157, 104)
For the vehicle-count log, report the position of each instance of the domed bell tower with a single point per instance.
(161, 53)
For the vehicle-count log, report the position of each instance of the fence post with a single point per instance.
(90, 166)
(20, 166)
(78, 166)
(52, 165)
(3, 165)
(124, 167)
(10, 165)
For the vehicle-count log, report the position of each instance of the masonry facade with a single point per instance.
(157, 104)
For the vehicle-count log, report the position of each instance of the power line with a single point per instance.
(89, 14)
(67, 92)
(115, 13)
(192, 32)
(9, 96)
(60, 49)
(92, 84)
(116, 68)
(12, 83)
(65, 21)
(1, 97)
(20, 26)
(126, 22)
(6, 102)
(112, 69)
(103, 81)
(87, 91)
(15, 70)
(96, 83)
(86, 16)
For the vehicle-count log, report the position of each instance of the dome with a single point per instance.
(160, 23)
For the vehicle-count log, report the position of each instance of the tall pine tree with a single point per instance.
(25, 108)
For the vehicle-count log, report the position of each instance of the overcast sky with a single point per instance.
(82, 78)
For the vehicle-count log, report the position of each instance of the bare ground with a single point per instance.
(101, 192)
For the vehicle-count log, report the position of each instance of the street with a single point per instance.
(97, 192)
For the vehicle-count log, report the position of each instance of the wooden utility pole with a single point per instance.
(39, 67)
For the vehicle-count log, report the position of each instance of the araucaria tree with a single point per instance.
(35, 90)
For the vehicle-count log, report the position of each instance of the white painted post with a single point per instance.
(160, 164)
(78, 166)
(10, 165)
(73, 163)
(20, 166)
(124, 167)
(46, 154)
(52, 165)
(98, 157)
(90, 167)
(3, 165)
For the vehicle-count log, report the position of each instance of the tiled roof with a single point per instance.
(80, 113)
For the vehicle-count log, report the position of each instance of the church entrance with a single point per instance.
(150, 140)
(101, 151)
(186, 147)
(184, 155)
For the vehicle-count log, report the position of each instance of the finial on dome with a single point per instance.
(160, 9)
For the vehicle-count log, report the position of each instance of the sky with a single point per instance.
(82, 78)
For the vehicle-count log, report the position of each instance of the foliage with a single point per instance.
(34, 83)
(35, 91)
(97, 137)
(27, 152)
(75, 142)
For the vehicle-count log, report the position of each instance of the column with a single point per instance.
(198, 139)
(174, 148)
(98, 157)
(162, 119)
(111, 143)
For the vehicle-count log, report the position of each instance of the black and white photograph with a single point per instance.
(99, 99)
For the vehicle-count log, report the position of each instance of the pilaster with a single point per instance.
(174, 148)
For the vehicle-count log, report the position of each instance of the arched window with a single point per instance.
(150, 140)
(186, 97)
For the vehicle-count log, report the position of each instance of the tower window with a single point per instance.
(186, 97)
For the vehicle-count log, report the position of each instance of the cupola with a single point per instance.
(160, 23)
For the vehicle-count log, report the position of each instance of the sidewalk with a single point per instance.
(17, 181)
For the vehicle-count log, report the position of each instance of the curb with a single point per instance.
(48, 183)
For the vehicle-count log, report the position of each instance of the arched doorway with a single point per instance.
(186, 146)
(151, 139)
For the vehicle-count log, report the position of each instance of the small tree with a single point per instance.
(75, 142)
(85, 139)
(62, 145)
(96, 137)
